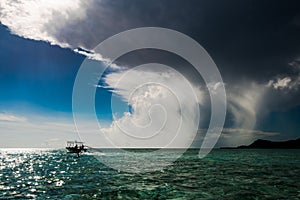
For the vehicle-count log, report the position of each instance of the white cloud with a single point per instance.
(291, 82)
(96, 56)
(214, 87)
(89, 54)
(280, 83)
(30, 19)
(162, 103)
(11, 118)
(62, 23)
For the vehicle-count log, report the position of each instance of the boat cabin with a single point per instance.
(75, 147)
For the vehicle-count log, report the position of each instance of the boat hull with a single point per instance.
(75, 150)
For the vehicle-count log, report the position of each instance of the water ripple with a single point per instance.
(224, 174)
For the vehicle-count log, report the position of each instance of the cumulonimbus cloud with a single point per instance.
(154, 98)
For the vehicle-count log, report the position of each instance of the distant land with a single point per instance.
(266, 144)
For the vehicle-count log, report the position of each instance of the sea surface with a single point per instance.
(223, 174)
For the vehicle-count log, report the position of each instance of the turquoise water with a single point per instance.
(223, 174)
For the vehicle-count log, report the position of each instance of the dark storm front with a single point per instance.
(223, 174)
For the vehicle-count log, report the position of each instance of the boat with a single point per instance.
(75, 147)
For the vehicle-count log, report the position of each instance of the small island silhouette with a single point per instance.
(267, 144)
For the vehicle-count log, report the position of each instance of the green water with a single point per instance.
(223, 174)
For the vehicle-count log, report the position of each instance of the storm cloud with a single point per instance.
(255, 44)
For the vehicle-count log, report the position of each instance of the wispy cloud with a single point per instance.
(33, 132)
(44, 130)
(11, 118)
(228, 132)
(91, 54)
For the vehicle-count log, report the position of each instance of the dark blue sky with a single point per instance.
(36, 74)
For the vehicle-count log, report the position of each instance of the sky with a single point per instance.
(255, 45)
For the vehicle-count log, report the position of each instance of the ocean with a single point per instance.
(223, 174)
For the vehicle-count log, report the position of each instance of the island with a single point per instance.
(267, 144)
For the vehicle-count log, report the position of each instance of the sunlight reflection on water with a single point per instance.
(46, 173)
